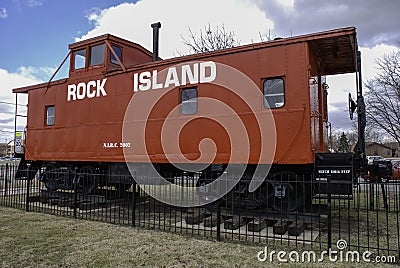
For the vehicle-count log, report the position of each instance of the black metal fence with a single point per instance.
(368, 220)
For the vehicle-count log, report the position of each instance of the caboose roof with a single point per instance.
(337, 48)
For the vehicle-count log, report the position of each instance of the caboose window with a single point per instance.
(274, 93)
(50, 110)
(96, 55)
(80, 59)
(189, 101)
(117, 51)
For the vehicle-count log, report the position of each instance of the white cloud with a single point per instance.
(3, 13)
(132, 21)
(377, 21)
(288, 5)
(10, 81)
(94, 15)
(369, 56)
(36, 73)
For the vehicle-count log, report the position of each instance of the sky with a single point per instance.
(35, 35)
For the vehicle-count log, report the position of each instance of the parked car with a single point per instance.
(383, 169)
(372, 158)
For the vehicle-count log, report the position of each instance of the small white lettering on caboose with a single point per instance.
(110, 145)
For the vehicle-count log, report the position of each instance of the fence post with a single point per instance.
(134, 204)
(371, 194)
(384, 197)
(2, 177)
(6, 185)
(27, 193)
(75, 181)
(219, 221)
(329, 206)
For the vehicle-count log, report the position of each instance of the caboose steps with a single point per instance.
(194, 216)
(235, 223)
(296, 228)
(281, 227)
(268, 229)
(256, 225)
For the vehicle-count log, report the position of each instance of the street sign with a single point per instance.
(18, 147)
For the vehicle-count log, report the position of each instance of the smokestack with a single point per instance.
(156, 27)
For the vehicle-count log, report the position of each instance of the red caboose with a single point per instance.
(256, 105)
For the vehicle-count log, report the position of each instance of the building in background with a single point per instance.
(387, 150)
(3, 149)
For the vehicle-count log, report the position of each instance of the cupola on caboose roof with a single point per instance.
(106, 53)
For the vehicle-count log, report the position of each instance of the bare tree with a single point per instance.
(267, 37)
(372, 133)
(210, 39)
(383, 96)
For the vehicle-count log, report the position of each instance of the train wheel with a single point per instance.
(53, 178)
(205, 192)
(87, 180)
(288, 192)
(263, 194)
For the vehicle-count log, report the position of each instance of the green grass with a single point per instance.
(42, 240)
